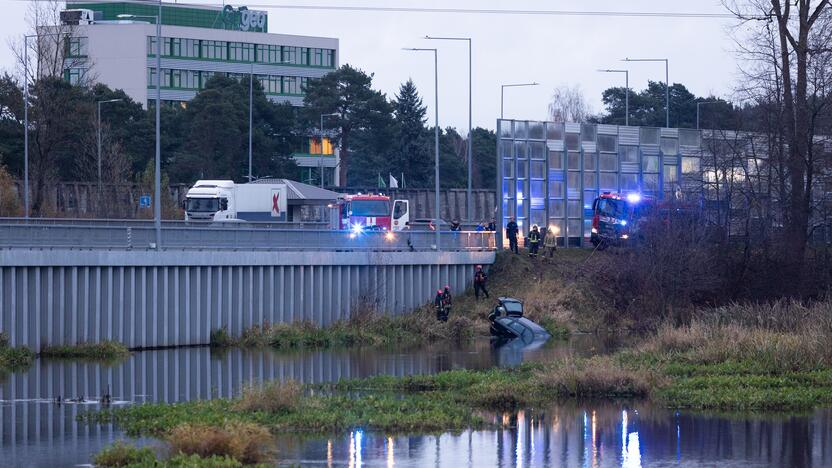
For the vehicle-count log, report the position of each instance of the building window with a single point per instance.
(291, 85)
(290, 54)
(76, 46)
(214, 50)
(318, 57)
(171, 46)
(151, 77)
(204, 77)
(189, 79)
(241, 51)
(304, 56)
(190, 48)
(329, 58)
(75, 75)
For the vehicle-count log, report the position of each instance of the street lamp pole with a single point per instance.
(666, 83)
(157, 206)
(697, 110)
(469, 205)
(626, 93)
(250, 113)
(436, 138)
(98, 131)
(513, 85)
(321, 159)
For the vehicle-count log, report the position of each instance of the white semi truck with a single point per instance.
(223, 200)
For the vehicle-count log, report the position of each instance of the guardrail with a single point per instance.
(142, 236)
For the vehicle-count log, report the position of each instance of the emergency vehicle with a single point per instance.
(615, 217)
(362, 212)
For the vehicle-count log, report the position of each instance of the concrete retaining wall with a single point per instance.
(152, 299)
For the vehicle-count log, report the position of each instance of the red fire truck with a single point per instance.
(615, 217)
(362, 212)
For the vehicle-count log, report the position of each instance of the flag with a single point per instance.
(393, 182)
(381, 183)
(404, 185)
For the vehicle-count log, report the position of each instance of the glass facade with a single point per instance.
(205, 49)
(193, 79)
(550, 173)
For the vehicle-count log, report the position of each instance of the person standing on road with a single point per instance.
(511, 233)
(480, 279)
(534, 241)
(550, 242)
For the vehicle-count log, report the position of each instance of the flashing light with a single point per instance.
(625, 236)
(390, 236)
(633, 197)
(352, 235)
(594, 231)
(356, 228)
(555, 229)
(623, 222)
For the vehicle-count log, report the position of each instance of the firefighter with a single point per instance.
(550, 242)
(534, 241)
(439, 303)
(480, 279)
(511, 233)
(455, 226)
(492, 225)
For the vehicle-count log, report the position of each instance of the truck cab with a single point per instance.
(616, 217)
(371, 212)
(210, 200)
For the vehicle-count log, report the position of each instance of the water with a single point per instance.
(35, 431)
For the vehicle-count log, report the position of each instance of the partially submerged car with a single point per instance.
(508, 323)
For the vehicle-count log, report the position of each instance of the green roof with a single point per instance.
(235, 19)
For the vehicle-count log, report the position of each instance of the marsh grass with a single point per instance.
(270, 397)
(601, 376)
(15, 359)
(104, 350)
(121, 454)
(245, 442)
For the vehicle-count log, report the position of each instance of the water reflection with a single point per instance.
(602, 435)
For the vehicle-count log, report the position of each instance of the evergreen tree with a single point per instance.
(410, 156)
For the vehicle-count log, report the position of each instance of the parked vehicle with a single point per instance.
(223, 200)
(362, 212)
(508, 323)
(615, 218)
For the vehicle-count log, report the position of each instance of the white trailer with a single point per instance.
(223, 200)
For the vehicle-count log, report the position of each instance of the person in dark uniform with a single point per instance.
(439, 303)
(511, 233)
(480, 279)
(534, 241)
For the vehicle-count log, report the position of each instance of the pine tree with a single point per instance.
(411, 155)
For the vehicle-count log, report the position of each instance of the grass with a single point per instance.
(243, 441)
(123, 455)
(272, 397)
(15, 359)
(105, 350)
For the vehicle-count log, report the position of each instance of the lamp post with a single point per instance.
(436, 136)
(26, 116)
(697, 110)
(666, 84)
(321, 159)
(469, 205)
(626, 93)
(513, 85)
(157, 192)
(98, 132)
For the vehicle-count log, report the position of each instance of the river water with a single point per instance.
(35, 431)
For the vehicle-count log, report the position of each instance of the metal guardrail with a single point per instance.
(167, 223)
(142, 236)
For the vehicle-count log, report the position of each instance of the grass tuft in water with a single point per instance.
(270, 397)
(121, 454)
(243, 441)
(105, 350)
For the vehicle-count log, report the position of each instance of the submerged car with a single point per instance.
(508, 323)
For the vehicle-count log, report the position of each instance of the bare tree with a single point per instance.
(568, 105)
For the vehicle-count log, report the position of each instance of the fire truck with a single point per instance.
(371, 212)
(615, 217)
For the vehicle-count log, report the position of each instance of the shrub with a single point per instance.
(220, 338)
(596, 377)
(121, 454)
(271, 397)
(16, 358)
(4, 340)
(245, 442)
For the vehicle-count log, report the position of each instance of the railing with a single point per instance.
(231, 236)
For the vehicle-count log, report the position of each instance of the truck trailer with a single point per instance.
(223, 200)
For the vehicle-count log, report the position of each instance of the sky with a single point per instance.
(551, 50)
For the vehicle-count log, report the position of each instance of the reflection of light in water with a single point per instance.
(391, 462)
(594, 441)
(329, 453)
(531, 435)
(630, 449)
(521, 423)
(355, 449)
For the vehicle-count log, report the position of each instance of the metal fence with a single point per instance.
(141, 235)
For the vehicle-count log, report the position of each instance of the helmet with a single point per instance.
(478, 267)
(447, 288)
(438, 291)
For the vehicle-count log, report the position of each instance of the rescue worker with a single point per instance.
(480, 279)
(550, 242)
(439, 303)
(534, 241)
(455, 226)
(492, 225)
(511, 233)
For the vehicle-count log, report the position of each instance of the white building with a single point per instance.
(118, 48)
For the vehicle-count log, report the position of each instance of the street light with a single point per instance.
(98, 105)
(666, 83)
(436, 135)
(697, 110)
(322, 146)
(626, 93)
(503, 91)
(468, 208)
(157, 206)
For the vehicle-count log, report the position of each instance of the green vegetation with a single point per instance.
(128, 456)
(15, 359)
(105, 350)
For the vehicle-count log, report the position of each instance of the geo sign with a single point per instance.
(243, 19)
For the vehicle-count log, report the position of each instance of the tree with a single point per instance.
(347, 92)
(568, 105)
(410, 155)
(11, 125)
(484, 162)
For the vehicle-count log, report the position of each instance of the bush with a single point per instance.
(16, 358)
(121, 454)
(245, 442)
(596, 377)
(271, 397)
(220, 338)
(4, 340)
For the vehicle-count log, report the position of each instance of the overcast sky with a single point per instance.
(552, 50)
